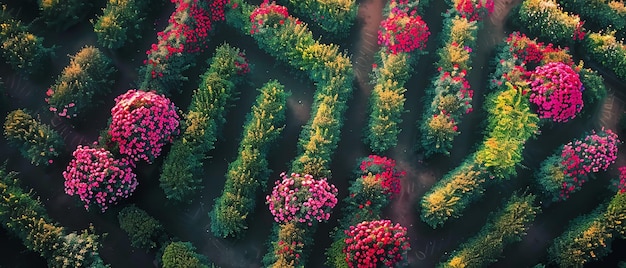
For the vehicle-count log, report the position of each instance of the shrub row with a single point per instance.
(172, 54)
(20, 48)
(546, 20)
(290, 41)
(400, 33)
(181, 177)
(450, 96)
(606, 50)
(24, 215)
(35, 140)
(603, 14)
(506, 226)
(82, 84)
(120, 22)
(377, 183)
(589, 237)
(60, 15)
(334, 17)
(248, 173)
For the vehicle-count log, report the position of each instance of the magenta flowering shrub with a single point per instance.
(384, 171)
(565, 172)
(98, 178)
(474, 10)
(621, 181)
(402, 30)
(557, 91)
(301, 199)
(142, 123)
(268, 14)
(376, 244)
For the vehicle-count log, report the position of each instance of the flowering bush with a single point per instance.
(546, 20)
(609, 51)
(86, 79)
(376, 243)
(568, 169)
(268, 15)
(402, 31)
(36, 141)
(98, 178)
(142, 123)
(384, 171)
(557, 91)
(621, 181)
(474, 10)
(301, 199)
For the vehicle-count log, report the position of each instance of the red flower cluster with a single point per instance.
(403, 31)
(142, 123)
(241, 63)
(375, 244)
(557, 91)
(597, 151)
(621, 184)
(474, 10)
(579, 32)
(98, 178)
(531, 51)
(301, 199)
(267, 14)
(188, 29)
(384, 170)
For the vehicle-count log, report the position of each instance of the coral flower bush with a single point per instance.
(376, 243)
(98, 178)
(301, 199)
(403, 31)
(142, 123)
(384, 172)
(557, 91)
(268, 14)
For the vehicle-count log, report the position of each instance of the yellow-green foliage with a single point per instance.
(182, 254)
(507, 226)
(36, 141)
(21, 49)
(121, 21)
(608, 51)
(547, 20)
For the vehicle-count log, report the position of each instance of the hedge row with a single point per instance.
(450, 96)
(172, 54)
(334, 17)
(60, 15)
(35, 140)
(20, 48)
(290, 41)
(248, 173)
(82, 84)
(392, 70)
(120, 22)
(603, 14)
(24, 215)
(608, 51)
(181, 177)
(546, 20)
(506, 226)
(589, 237)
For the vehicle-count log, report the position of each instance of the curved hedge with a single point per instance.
(35, 140)
(181, 175)
(249, 171)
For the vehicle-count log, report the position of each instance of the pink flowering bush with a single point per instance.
(557, 91)
(142, 123)
(301, 199)
(402, 30)
(268, 14)
(375, 244)
(384, 171)
(621, 181)
(566, 171)
(474, 10)
(98, 178)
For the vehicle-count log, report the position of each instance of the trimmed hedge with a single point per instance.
(334, 17)
(21, 49)
(121, 22)
(248, 173)
(143, 230)
(35, 140)
(604, 14)
(608, 51)
(60, 15)
(546, 20)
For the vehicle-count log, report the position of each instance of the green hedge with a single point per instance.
(121, 21)
(248, 173)
(181, 177)
(60, 15)
(506, 226)
(182, 255)
(606, 50)
(21, 49)
(35, 140)
(24, 216)
(546, 20)
(334, 17)
(144, 231)
(604, 14)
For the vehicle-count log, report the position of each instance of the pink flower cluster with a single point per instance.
(597, 151)
(267, 14)
(142, 123)
(474, 10)
(188, 29)
(456, 82)
(301, 199)
(68, 111)
(579, 32)
(98, 178)
(241, 63)
(556, 89)
(621, 183)
(384, 170)
(375, 244)
(403, 31)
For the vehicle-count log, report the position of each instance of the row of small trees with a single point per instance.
(22, 214)
(181, 176)
(249, 172)
(450, 96)
(402, 36)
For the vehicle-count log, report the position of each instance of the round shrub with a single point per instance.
(557, 91)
